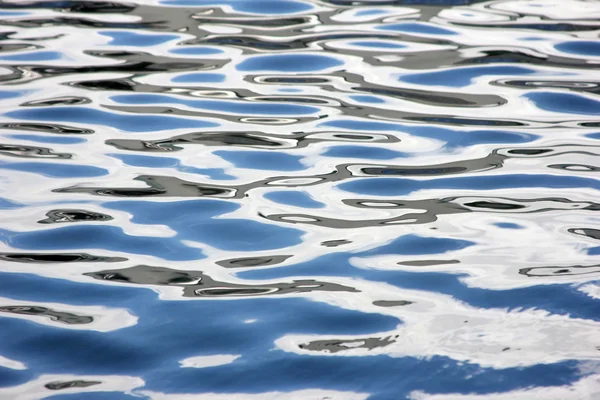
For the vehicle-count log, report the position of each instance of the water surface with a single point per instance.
(294, 199)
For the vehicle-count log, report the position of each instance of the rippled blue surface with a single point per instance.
(300, 199)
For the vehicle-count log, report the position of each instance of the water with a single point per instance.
(286, 199)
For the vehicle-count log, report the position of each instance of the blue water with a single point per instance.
(300, 199)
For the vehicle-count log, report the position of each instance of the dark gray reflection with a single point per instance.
(588, 232)
(569, 270)
(198, 284)
(255, 139)
(250, 139)
(336, 346)
(46, 128)
(335, 243)
(433, 208)
(70, 215)
(57, 101)
(23, 151)
(247, 262)
(51, 258)
(76, 6)
(427, 263)
(490, 162)
(392, 303)
(575, 167)
(58, 316)
(576, 86)
(429, 97)
(158, 186)
(114, 85)
(58, 385)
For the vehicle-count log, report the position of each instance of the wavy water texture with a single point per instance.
(300, 199)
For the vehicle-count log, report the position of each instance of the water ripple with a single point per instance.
(299, 199)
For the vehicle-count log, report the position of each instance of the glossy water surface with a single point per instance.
(300, 199)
